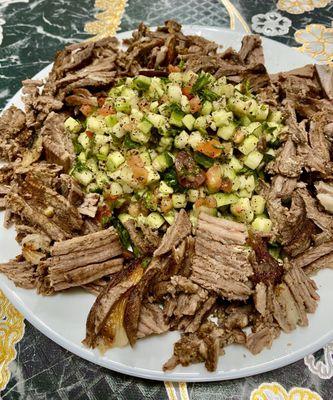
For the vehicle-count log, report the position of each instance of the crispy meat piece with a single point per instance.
(144, 238)
(22, 273)
(100, 311)
(177, 232)
(57, 145)
(15, 137)
(266, 269)
(151, 321)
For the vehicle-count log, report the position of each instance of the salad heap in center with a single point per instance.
(184, 141)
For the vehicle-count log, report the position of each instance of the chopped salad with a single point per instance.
(156, 145)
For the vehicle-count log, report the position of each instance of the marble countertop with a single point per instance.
(31, 31)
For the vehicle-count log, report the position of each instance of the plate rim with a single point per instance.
(112, 365)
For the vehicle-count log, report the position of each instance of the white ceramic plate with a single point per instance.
(62, 317)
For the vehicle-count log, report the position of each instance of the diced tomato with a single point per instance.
(109, 199)
(173, 68)
(90, 134)
(106, 110)
(101, 101)
(187, 91)
(211, 148)
(103, 213)
(86, 109)
(137, 166)
(195, 104)
(214, 178)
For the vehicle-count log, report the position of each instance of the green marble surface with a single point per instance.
(30, 33)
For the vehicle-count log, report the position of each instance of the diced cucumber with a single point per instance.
(103, 151)
(82, 157)
(84, 140)
(261, 113)
(244, 193)
(153, 106)
(162, 162)
(228, 172)
(165, 189)
(159, 121)
(128, 93)
(170, 217)
(242, 210)
(258, 204)
(226, 132)
(145, 126)
(176, 118)
(137, 114)
(253, 159)
(146, 158)
(245, 121)
(248, 145)
(189, 77)
(153, 176)
(207, 108)
(96, 124)
(102, 179)
(195, 139)
(141, 82)
(181, 140)
(141, 219)
(176, 77)
(237, 106)
(235, 164)
(262, 224)
(121, 104)
(193, 195)
(92, 165)
(111, 120)
(201, 124)
(250, 183)
(254, 128)
(175, 93)
(165, 144)
(140, 137)
(123, 217)
(92, 188)
(118, 131)
(179, 200)
(72, 125)
(157, 86)
(224, 199)
(275, 116)
(114, 160)
(116, 189)
(222, 117)
(188, 121)
(83, 176)
(155, 220)
(185, 104)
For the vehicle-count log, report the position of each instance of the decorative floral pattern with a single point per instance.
(271, 24)
(11, 332)
(323, 369)
(274, 391)
(301, 6)
(317, 41)
(108, 21)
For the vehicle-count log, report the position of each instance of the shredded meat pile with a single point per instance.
(210, 284)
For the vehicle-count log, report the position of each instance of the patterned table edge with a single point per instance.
(315, 42)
